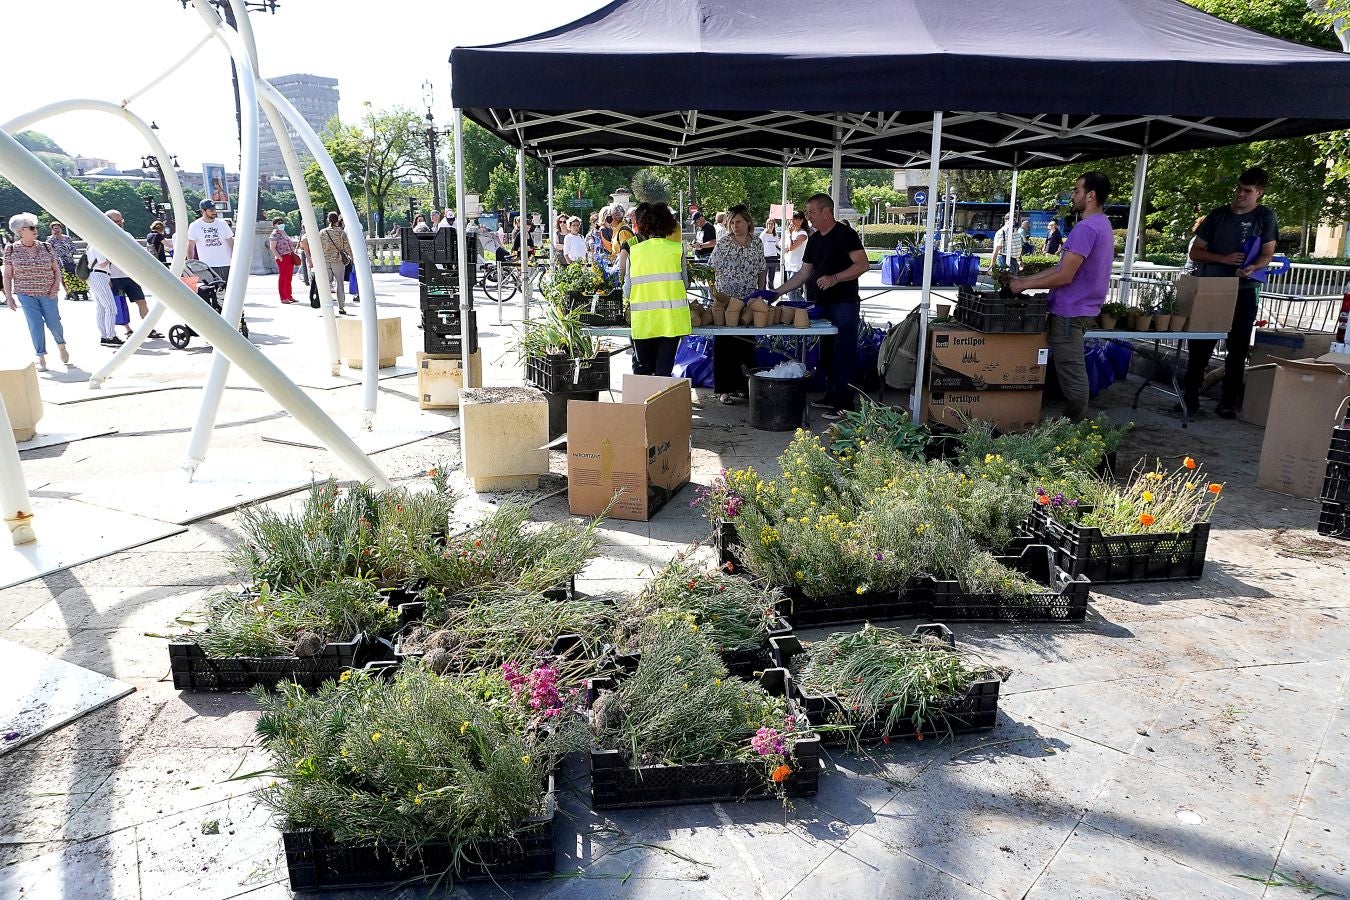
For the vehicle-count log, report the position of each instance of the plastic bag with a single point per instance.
(693, 360)
(786, 369)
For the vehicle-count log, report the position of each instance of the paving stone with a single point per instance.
(102, 869)
(211, 853)
(119, 725)
(1327, 795)
(146, 609)
(117, 652)
(44, 790)
(1315, 851)
(190, 719)
(866, 867)
(1080, 871)
(1112, 713)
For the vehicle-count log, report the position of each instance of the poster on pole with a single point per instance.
(215, 187)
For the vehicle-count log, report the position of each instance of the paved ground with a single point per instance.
(1185, 736)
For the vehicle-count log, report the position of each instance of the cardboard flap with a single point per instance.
(1319, 365)
(1339, 360)
(644, 388)
(620, 422)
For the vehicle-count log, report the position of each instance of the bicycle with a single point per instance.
(499, 280)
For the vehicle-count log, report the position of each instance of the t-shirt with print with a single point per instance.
(1093, 240)
(770, 242)
(210, 241)
(828, 253)
(1225, 231)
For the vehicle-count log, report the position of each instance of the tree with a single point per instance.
(388, 144)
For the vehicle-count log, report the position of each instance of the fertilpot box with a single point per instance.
(1305, 407)
(1207, 303)
(1005, 410)
(961, 358)
(638, 448)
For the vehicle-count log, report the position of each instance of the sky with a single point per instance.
(379, 50)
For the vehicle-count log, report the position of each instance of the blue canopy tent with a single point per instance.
(893, 84)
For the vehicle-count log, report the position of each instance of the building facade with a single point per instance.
(316, 98)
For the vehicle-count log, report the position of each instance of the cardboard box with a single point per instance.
(1271, 345)
(963, 359)
(440, 378)
(1305, 405)
(1207, 303)
(640, 445)
(1006, 410)
(1259, 385)
(23, 401)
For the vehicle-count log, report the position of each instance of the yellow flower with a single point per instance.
(525, 759)
(861, 589)
(347, 673)
(419, 787)
(417, 801)
(343, 752)
(356, 796)
(375, 738)
(717, 681)
(464, 726)
(1147, 496)
(1190, 485)
(693, 627)
(800, 575)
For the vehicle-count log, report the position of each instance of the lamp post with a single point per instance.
(432, 132)
(165, 207)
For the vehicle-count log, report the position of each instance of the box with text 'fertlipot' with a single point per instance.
(1005, 410)
(961, 358)
(639, 446)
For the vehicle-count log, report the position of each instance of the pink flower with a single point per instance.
(767, 742)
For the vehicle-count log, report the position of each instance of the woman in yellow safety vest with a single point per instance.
(655, 289)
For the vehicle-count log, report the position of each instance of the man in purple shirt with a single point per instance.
(1078, 287)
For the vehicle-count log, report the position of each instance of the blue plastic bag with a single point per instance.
(693, 360)
(121, 314)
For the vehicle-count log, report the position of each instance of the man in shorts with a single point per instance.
(125, 286)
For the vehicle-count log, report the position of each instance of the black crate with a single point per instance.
(615, 784)
(438, 247)
(1127, 558)
(740, 663)
(599, 309)
(1336, 484)
(725, 540)
(1064, 600)
(1334, 520)
(1020, 315)
(843, 609)
(441, 332)
(563, 375)
(193, 670)
(433, 295)
(315, 862)
(977, 710)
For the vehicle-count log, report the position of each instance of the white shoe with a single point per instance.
(65, 354)
(42, 363)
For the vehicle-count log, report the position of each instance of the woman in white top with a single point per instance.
(769, 238)
(794, 248)
(574, 245)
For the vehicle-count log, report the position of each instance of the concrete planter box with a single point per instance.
(503, 432)
(390, 345)
(440, 379)
(23, 402)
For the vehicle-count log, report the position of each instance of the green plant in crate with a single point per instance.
(558, 331)
(578, 278)
(407, 523)
(1052, 448)
(881, 674)
(876, 423)
(730, 613)
(700, 273)
(412, 759)
(296, 622)
(326, 540)
(679, 707)
(1154, 500)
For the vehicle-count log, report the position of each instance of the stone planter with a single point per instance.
(22, 400)
(502, 434)
(390, 341)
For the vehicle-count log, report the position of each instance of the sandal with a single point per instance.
(728, 399)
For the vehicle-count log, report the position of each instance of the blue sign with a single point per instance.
(921, 197)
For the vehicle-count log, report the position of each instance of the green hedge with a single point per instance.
(886, 236)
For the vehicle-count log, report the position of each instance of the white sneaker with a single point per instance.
(42, 363)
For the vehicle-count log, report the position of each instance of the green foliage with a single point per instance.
(651, 187)
(880, 425)
(870, 197)
(403, 761)
(577, 277)
(35, 141)
(1290, 20)
(558, 331)
(730, 613)
(886, 236)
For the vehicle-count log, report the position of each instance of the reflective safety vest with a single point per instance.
(657, 303)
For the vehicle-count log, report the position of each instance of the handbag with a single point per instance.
(314, 292)
(295, 258)
(121, 315)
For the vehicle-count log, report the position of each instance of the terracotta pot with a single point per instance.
(1108, 321)
(1178, 323)
(800, 319)
(733, 311)
(1162, 322)
(786, 314)
(1140, 321)
(760, 318)
(758, 305)
(718, 316)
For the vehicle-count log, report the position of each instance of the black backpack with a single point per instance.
(82, 266)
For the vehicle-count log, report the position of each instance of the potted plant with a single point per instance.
(1140, 319)
(1112, 313)
(559, 356)
(679, 729)
(1167, 305)
(382, 781)
(583, 286)
(306, 634)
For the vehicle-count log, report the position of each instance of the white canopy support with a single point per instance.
(786, 223)
(1133, 226)
(462, 246)
(1012, 220)
(18, 510)
(551, 225)
(524, 225)
(39, 182)
(934, 164)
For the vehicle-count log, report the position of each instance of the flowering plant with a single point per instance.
(730, 613)
(719, 500)
(1153, 500)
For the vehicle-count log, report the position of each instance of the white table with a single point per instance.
(1161, 366)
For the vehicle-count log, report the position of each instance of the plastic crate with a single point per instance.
(992, 315)
(562, 375)
(1064, 600)
(438, 247)
(1334, 520)
(599, 309)
(1339, 451)
(615, 784)
(430, 295)
(740, 663)
(976, 710)
(315, 862)
(843, 609)
(1336, 484)
(1127, 558)
(441, 332)
(725, 540)
(193, 670)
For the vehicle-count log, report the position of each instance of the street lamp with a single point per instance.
(165, 207)
(227, 13)
(432, 132)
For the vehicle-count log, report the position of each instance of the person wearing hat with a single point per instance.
(705, 238)
(211, 240)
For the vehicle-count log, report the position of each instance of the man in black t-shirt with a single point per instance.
(831, 265)
(705, 238)
(1222, 245)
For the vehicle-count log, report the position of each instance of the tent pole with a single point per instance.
(1132, 229)
(783, 227)
(552, 222)
(13, 489)
(837, 170)
(524, 237)
(934, 163)
(462, 247)
(1012, 214)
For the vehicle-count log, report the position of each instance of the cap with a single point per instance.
(206, 204)
(698, 215)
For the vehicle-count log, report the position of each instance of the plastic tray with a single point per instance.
(1336, 484)
(725, 539)
(1127, 558)
(560, 374)
(617, 785)
(977, 710)
(1334, 520)
(441, 332)
(992, 315)
(1065, 600)
(843, 609)
(316, 862)
(600, 309)
(193, 670)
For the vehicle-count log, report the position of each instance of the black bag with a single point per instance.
(1027, 249)
(82, 267)
(314, 292)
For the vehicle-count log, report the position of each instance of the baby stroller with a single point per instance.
(209, 284)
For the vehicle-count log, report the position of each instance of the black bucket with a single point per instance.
(557, 409)
(777, 404)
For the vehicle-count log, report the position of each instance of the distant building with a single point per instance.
(316, 98)
(84, 164)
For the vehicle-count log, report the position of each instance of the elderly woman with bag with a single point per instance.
(32, 272)
(337, 255)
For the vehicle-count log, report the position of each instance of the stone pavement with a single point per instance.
(1185, 736)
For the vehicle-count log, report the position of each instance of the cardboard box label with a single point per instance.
(1007, 410)
(964, 359)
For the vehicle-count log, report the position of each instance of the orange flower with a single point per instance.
(1146, 520)
(1215, 488)
(780, 774)
(1043, 499)
(1188, 463)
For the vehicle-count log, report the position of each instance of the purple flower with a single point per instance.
(1057, 500)
(767, 742)
(1073, 502)
(880, 556)
(13, 736)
